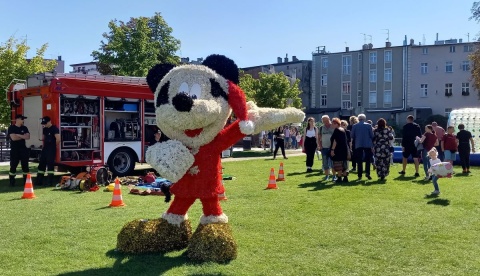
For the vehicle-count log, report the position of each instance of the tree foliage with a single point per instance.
(15, 65)
(475, 56)
(272, 90)
(132, 48)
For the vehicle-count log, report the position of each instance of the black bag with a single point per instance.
(391, 149)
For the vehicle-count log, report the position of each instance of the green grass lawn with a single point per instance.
(306, 227)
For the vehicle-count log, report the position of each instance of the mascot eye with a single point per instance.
(196, 91)
(183, 88)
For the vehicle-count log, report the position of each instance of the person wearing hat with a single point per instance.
(18, 149)
(51, 139)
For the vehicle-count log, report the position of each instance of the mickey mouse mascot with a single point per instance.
(193, 103)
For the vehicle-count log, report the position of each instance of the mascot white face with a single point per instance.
(191, 101)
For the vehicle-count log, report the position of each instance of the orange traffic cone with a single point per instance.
(272, 184)
(281, 173)
(117, 200)
(28, 190)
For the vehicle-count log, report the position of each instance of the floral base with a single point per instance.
(153, 236)
(212, 242)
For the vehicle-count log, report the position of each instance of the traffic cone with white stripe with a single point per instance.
(272, 184)
(28, 190)
(117, 200)
(281, 173)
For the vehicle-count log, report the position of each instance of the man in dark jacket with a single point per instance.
(362, 137)
(410, 131)
(18, 150)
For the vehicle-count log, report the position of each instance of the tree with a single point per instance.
(132, 48)
(272, 90)
(15, 65)
(475, 57)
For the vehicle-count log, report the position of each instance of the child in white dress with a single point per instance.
(433, 154)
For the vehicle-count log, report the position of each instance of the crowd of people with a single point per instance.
(367, 145)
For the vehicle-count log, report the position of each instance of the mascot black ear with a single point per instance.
(223, 66)
(156, 74)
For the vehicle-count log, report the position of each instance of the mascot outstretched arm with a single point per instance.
(193, 103)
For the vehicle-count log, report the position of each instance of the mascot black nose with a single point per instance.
(182, 102)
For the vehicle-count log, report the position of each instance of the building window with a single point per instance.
(373, 75)
(425, 51)
(323, 80)
(359, 103)
(466, 65)
(447, 112)
(423, 90)
(388, 56)
(452, 49)
(346, 104)
(388, 74)
(372, 98)
(346, 87)
(373, 57)
(449, 67)
(465, 88)
(424, 68)
(323, 100)
(468, 48)
(324, 62)
(347, 65)
(448, 89)
(387, 98)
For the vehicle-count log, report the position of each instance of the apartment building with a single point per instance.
(440, 76)
(392, 82)
(88, 68)
(367, 81)
(294, 69)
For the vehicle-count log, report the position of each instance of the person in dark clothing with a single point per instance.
(362, 137)
(51, 139)
(465, 138)
(353, 120)
(428, 140)
(18, 149)
(310, 144)
(339, 151)
(158, 137)
(410, 132)
(279, 142)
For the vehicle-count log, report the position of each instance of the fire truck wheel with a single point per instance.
(122, 162)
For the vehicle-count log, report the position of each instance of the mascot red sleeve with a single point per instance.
(193, 103)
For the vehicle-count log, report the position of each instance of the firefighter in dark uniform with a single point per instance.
(51, 139)
(18, 150)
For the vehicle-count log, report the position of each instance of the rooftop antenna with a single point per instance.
(370, 38)
(388, 34)
(423, 40)
(468, 37)
(364, 38)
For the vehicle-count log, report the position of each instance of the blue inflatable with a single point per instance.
(474, 158)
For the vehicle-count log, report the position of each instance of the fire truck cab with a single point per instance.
(103, 120)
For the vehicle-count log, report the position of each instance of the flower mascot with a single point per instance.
(192, 105)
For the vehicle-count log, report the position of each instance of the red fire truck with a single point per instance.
(103, 120)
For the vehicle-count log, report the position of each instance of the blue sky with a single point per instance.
(250, 32)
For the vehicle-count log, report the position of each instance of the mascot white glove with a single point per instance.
(269, 118)
(171, 159)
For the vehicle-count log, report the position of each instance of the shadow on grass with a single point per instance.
(406, 178)
(439, 201)
(327, 184)
(143, 264)
(462, 175)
